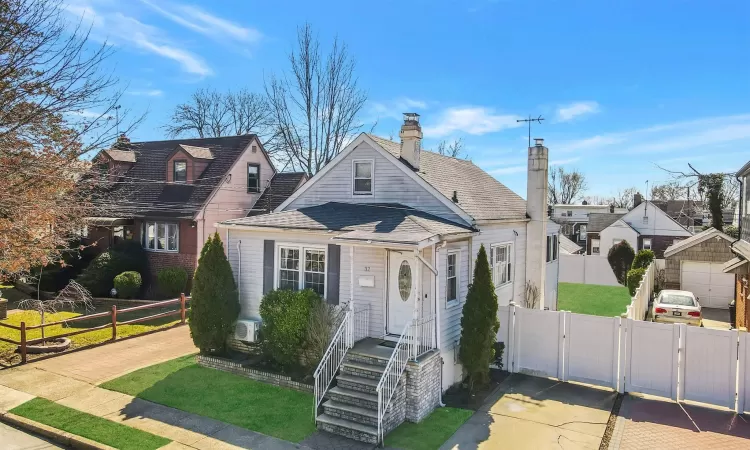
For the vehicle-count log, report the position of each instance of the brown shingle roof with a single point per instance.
(479, 194)
(600, 221)
(121, 155)
(282, 185)
(197, 152)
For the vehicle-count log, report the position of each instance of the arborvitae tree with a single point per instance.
(620, 258)
(643, 259)
(214, 305)
(479, 324)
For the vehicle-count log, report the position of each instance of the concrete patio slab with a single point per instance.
(530, 413)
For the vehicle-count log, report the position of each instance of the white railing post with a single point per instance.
(332, 359)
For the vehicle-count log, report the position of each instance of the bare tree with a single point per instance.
(624, 198)
(711, 188)
(315, 108)
(730, 192)
(565, 187)
(56, 104)
(72, 296)
(531, 295)
(453, 149)
(209, 113)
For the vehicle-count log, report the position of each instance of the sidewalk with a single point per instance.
(71, 380)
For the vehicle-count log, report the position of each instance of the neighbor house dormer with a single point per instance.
(187, 163)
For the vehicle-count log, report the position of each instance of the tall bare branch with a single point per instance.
(565, 187)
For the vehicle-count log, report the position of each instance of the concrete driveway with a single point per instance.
(716, 318)
(537, 413)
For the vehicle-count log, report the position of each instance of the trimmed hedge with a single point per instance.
(620, 258)
(643, 259)
(634, 279)
(286, 315)
(172, 281)
(128, 284)
(125, 256)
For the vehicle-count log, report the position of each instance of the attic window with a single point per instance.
(180, 171)
(253, 177)
(362, 177)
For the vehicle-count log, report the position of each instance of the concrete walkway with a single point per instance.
(537, 413)
(71, 380)
(13, 439)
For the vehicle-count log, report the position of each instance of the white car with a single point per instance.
(673, 306)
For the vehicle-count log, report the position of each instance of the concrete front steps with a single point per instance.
(351, 408)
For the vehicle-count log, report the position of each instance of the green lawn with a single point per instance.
(608, 301)
(429, 434)
(94, 337)
(95, 428)
(182, 384)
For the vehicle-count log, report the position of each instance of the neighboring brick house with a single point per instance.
(695, 265)
(169, 194)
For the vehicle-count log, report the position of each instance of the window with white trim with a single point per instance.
(646, 243)
(552, 247)
(180, 171)
(451, 274)
(301, 268)
(362, 177)
(161, 236)
(595, 246)
(500, 261)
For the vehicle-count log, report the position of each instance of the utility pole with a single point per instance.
(117, 119)
(530, 120)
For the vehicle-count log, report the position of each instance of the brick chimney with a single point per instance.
(411, 139)
(536, 209)
(637, 199)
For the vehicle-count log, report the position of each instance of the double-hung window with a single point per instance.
(451, 282)
(362, 177)
(301, 268)
(180, 171)
(500, 261)
(253, 177)
(646, 243)
(595, 246)
(161, 236)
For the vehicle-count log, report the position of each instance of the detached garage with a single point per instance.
(696, 264)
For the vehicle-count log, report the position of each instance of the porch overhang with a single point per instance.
(393, 240)
(109, 221)
(736, 266)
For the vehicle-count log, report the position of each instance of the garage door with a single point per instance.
(713, 287)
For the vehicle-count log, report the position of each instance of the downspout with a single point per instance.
(239, 266)
(436, 264)
(513, 283)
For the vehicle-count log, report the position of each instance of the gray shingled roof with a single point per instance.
(282, 185)
(479, 194)
(600, 221)
(568, 246)
(143, 191)
(391, 220)
(197, 152)
(120, 155)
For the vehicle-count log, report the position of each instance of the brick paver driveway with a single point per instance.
(652, 423)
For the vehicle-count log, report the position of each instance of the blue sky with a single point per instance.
(623, 85)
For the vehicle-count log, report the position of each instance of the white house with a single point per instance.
(645, 227)
(574, 219)
(392, 232)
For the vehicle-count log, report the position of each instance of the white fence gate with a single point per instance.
(674, 361)
(708, 369)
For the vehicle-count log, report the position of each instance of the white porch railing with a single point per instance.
(392, 374)
(353, 327)
(424, 335)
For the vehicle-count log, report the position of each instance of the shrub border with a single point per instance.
(227, 365)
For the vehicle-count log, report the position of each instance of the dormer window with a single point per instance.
(253, 178)
(180, 171)
(362, 177)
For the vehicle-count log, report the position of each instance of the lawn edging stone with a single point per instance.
(227, 365)
(59, 436)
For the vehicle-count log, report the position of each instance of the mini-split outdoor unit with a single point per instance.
(247, 330)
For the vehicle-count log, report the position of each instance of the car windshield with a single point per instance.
(677, 299)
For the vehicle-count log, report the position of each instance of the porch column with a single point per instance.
(351, 277)
(435, 295)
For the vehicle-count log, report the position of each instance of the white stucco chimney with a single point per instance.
(536, 209)
(411, 139)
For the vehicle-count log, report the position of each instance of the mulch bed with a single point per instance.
(458, 395)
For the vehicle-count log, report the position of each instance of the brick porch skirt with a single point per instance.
(227, 365)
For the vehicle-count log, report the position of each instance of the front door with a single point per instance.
(402, 287)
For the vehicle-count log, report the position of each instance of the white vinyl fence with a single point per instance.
(668, 360)
(586, 269)
(638, 306)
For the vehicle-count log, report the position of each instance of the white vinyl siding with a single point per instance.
(451, 312)
(452, 277)
(391, 185)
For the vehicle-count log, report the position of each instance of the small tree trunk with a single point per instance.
(42, 312)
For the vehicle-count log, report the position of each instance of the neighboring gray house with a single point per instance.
(391, 232)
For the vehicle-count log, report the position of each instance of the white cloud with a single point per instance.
(198, 20)
(120, 29)
(147, 93)
(562, 162)
(393, 109)
(704, 134)
(577, 109)
(475, 120)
